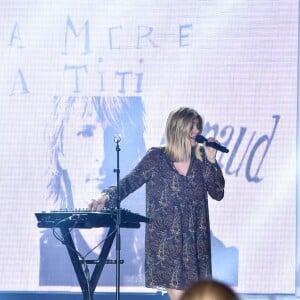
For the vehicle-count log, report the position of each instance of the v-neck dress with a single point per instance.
(177, 240)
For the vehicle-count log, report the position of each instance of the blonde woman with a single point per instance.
(179, 177)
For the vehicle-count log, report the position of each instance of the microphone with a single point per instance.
(117, 138)
(200, 139)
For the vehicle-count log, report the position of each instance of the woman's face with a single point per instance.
(194, 131)
(83, 156)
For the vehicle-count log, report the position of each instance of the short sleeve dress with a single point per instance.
(177, 241)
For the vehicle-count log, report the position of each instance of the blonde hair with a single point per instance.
(179, 124)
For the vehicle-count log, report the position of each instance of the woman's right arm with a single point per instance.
(131, 182)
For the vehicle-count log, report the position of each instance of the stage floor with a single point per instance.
(11, 295)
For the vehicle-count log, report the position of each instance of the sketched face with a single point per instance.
(82, 149)
(83, 156)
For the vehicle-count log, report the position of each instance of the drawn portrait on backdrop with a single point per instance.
(83, 157)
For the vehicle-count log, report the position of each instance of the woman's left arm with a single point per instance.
(212, 172)
(214, 179)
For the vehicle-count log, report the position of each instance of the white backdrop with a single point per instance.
(234, 61)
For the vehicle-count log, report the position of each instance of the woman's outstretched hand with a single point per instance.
(98, 203)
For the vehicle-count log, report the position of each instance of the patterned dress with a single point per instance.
(177, 241)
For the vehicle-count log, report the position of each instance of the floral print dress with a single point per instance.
(177, 241)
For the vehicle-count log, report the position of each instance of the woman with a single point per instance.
(178, 177)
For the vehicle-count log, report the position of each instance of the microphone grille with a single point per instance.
(200, 138)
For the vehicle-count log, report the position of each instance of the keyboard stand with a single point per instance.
(68, 220)
(87, 285)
